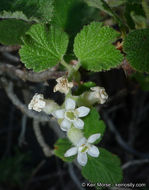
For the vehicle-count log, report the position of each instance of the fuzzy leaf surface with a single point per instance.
(105, 169)
(136, 47)
(94, 49)
(43, 47)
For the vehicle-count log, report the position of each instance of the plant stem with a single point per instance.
(77, 66)
(65, 64)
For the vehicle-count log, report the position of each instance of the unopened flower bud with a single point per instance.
(50, 106)
(63, 85)
(96, 95)
(74, 135)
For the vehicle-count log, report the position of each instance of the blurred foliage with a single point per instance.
(15, 28)
(12, 169)
(40, 10)
(142, 79)
(133, 8)
(136, 47)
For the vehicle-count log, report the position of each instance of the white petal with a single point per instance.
(78, 123)
(59, 114)
(83, 111)
(93, 138)
(82, 158)
(82, 141)
(41, 103)
(70, 152)
(65, 125)
(59, 79)
(96, 88)
(70, 104)
(93, 151)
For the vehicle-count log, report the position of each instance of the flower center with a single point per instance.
(63, 82)
(70, 115)
(83, 148)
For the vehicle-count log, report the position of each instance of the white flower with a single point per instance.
(99, 94)
(63, 85)
(70, 115)
(37, 103)
(83, 148)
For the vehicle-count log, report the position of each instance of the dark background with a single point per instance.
(23, 165)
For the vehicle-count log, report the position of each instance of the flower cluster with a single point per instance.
(70, 115)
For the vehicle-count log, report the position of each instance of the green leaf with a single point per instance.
(102, 5)
(13, 15)
(93, 46)
(45, 10)
(133, 8)
(105, 169)
(39, 10)
(140, 21)
(93, 124)
(115, 3)
(60, 147)
(136, 46)
(5, 4)
(65, 16)
(12, 30)
(44, 47)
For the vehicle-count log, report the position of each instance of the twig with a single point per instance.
(8, 86)
(11, 57)
(55, 127)
(23, 129)
(9, 48)
(119, 139)
(30, 75)
(47, 151)
(135, 162)
(74, 177)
